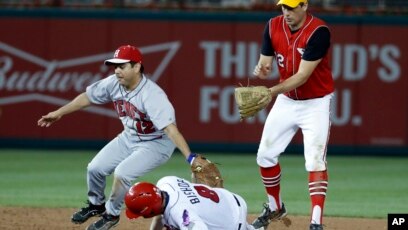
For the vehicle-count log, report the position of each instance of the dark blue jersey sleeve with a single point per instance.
(318, 45)
(267, 48)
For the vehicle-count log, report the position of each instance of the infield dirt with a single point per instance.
(58, 218)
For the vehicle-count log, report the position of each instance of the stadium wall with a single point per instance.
(48, 56)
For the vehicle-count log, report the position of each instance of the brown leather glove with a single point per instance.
(206, 172)
(252, 99)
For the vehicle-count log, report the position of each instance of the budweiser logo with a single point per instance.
(52, 78)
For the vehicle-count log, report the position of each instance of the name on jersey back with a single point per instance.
(188, 191)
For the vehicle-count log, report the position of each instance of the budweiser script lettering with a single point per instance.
(49, 79)
(52, 80)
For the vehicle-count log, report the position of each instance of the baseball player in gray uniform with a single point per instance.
(175, 203)
(148, 140)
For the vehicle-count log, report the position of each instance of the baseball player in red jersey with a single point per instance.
(299, 42)
(176, 203)
(148, 140)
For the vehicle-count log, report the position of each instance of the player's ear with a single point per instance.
(137, 66)
(140, 67)
(304, 7)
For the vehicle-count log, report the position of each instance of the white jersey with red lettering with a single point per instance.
(141, 147)
(144, 111)
(197, 206)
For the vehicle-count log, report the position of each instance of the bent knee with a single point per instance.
(94, 169)
(315, 165)
(123, 177)
(266, 161)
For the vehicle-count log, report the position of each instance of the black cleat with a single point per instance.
(87, 212)
(106, 222)
(267, 216)
(316, 227)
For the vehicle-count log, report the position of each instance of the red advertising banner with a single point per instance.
(46, 62)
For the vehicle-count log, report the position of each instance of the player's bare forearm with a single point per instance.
(81, 101)
(156, 223)
(173, 133)
(305, 70)
(288, 85)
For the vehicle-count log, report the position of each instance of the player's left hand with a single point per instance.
(252, 99)
(205, 172)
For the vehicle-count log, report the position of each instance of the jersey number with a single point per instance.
(144, 127)
(125, 108)
(207, 193)
(279, 59)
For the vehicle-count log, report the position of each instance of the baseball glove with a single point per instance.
(252, 99)
(206, 172)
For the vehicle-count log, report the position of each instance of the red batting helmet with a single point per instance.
(143, 199)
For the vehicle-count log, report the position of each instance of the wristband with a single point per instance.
(191, 157)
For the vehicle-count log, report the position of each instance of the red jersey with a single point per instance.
(289, 48)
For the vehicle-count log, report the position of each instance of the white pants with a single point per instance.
(243, 213)
(285, 118)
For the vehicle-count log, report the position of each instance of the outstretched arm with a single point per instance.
(173, 133)
(81, 101)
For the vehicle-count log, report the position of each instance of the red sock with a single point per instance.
(271, 180)
(318, 182)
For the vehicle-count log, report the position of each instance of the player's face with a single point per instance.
(294, 17)
(127, 74)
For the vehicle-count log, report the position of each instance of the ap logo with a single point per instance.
(397, 221)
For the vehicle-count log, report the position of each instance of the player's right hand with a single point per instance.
(47, 120)
(262, 71)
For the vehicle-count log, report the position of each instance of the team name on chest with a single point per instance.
(125, 108)
(188, 191)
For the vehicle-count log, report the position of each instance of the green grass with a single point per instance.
(358, 186)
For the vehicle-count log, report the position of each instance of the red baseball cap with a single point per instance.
(124, 54)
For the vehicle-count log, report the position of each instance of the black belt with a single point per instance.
(304, 99)
(239, 205)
